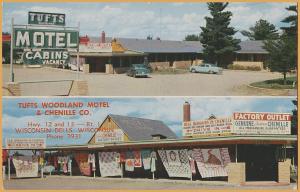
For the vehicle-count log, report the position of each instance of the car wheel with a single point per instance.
(193, 71)
(210, 72)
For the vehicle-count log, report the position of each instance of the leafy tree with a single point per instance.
(283, 52)
(262, 30)
(217, 36)
(149, 37)
(192, 37)
(6, 49)
(282, 58)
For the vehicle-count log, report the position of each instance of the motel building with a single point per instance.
(211, 149)
(115, 55)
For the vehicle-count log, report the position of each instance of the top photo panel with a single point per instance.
(149, 49)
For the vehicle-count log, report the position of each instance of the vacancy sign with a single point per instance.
(25, 143)
(262, 123)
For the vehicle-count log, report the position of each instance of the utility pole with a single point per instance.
(12, 76)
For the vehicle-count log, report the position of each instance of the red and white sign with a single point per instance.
(210, 127)
(95, 48)
(262, 123)
(25, 143)
(106, 135)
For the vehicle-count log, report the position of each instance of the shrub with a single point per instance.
(242, 67)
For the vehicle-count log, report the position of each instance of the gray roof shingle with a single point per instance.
(142, 129)
(252, 47)
(157, 46)
(168, 46)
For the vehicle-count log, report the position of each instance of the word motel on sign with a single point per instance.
(41, 39)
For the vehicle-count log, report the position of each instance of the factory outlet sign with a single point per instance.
(41, 18)
(108, 135)
(25, 143)
(262, 123)
(241, 123)
(44, 43)
(210, 127)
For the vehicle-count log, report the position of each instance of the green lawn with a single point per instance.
(277, 83)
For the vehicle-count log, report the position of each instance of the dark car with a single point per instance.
(138, 70)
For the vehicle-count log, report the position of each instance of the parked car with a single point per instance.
(73, 67)
(206, 68)
(138, 70)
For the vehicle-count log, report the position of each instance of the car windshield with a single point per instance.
(212, 65)
(139, 66)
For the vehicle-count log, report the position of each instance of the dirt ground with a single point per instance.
(81, 182)
(230, 83)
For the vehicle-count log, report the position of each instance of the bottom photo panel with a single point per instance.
(156, 143)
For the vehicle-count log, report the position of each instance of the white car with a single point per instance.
(73, 67)
(206, 68)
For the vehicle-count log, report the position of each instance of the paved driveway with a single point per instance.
(188, 84)
(81, 182)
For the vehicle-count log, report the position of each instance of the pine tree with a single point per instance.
(192, 37)
(217, 36)
(262, 30)
(283, 52)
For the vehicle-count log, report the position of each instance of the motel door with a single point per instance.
(261, 163)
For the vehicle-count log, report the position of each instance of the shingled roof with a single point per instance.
(157, 46)
(252, 47)
(168, 46)
(142, 129)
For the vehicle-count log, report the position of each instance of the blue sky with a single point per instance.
(137, 20)
(166, 109)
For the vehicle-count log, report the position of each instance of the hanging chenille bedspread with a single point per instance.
(26, 166)
(212, 162)
(176, 162)
(109, 164)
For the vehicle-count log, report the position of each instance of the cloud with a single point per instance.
(139, 20)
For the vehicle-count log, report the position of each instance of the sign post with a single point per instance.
(12, 78)
(77, 75)
(8, 166)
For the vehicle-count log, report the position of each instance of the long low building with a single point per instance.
(115, 55)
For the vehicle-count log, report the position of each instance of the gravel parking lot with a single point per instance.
(233, 83)
(81, 182)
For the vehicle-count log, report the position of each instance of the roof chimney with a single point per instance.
(102, 37)
(186, 111)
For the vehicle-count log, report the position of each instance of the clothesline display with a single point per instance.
(26, 166)
(140, 158)
(58, 163)
(176, 162)
(92, 161)
(212, 162)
